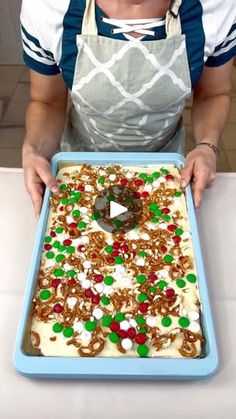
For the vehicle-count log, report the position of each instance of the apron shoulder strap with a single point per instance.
(173, 24)
(89, 25)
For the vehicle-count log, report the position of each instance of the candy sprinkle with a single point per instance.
(142, 350)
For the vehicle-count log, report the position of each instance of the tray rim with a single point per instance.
(116, 368)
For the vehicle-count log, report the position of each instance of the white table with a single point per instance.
(34, 399)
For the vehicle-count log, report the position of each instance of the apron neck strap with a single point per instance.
(89, 26)
(173, 24)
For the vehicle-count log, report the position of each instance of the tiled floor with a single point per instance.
(14, 98)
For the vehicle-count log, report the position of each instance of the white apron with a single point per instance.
(128, 95)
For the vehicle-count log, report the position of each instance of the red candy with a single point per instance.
(177, 239)
(145, 194)
(88, 293)
(125, 248)
(110, 259)
(131, 332)
(152, 277)
(58, 308)
(81, 248)
(67, 242)
(116, 245)
(165, 210)
(115, 253)
(169, 177)
(140, 338)
(143, 307)
(171, 227)
(114, 326)
(61, 208)
(47, 247)
(81, 188)
(170, 292)
(71, 282)
(122, 333)
(55, 283)
(96, 299)
(72, 225)
(53, 234)
(93, 255)
(98, 278)
(163, 249)
(136, 195)
(124, 182)
(138, 182)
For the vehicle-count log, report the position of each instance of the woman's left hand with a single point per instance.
(200, 169)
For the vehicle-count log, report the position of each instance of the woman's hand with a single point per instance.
(201, 170)
(37, 174)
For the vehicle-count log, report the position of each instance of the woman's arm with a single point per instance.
(45, 121)
(210, 111)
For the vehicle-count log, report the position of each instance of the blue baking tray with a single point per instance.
(108, 367)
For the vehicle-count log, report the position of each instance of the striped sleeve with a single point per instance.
(36, 54)
(225, 50)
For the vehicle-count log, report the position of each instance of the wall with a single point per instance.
(10, 43)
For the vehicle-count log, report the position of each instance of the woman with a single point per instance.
(129, 66)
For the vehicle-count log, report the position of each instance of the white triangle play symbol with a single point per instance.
(116, 209)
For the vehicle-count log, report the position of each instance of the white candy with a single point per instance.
(151, 321)
(194, 327)
(145, 236)
(156, 184)
(117, 275)
(78, 327)
(81, 276)
(83, 210)
(127, 281)
(164, 273)
(85, 336)
(67, 267)
(133, 323)
(112, 177)
(126, 344)
(108, 290)
(129, 175)
(97, 313)
(193, 315)
(133, 235)
(87, 264)
(71, 301)
(86, 283)
(186, 235)
(163, 226)
(162, 179)
(102, 172)
(84, 239)
(69, 219)
(124, 325)
(147, 187)
(88, 188)
(99, 288)
(110, 241)
(120, 268)
(140, 262)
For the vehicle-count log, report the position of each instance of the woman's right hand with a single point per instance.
(37, 175)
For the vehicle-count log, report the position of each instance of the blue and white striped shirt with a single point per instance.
(49, 30)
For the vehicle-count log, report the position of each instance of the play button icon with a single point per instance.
(117, 209)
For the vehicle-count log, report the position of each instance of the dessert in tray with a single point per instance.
(122, 292)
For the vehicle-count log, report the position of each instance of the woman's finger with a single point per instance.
(186, 173)
(44, 172)
(200, 180)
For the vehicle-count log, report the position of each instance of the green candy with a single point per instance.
(101, 180)
(111, 198)
(59, 230)
(64, 201)
(105, 300)
(179, 232)
(90, 326)
(48, 239)
(140, 319)
(141, 279)
(59, 258)
(161, 285)
(143, 330)
(73, 200)
(142, 253)
(109, 249)
(149, 179)
(152, 289)
(168, 258)
(56, 244)
(119, 317)
(157, 212)
(142, 297)
(180, 283)
(191, 278)
(106, 321)
(164, 171)
(114, 337)
(108, 280)
(118, 260)
(70, 249)
(177, 194)
(96, 216)
(76, 213)
(57, 327)
(62, 248)
(63, 187)
(45, 294)
(184, 322)
(142, 350)
(166, 217)
(50, 255)
(155, 220)
(142, 176)
(166, 321)
(153, 206)
(68, 332)
(81, 225)
(118, 223)
(58, 272)
(71, 273)
(156, 175)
